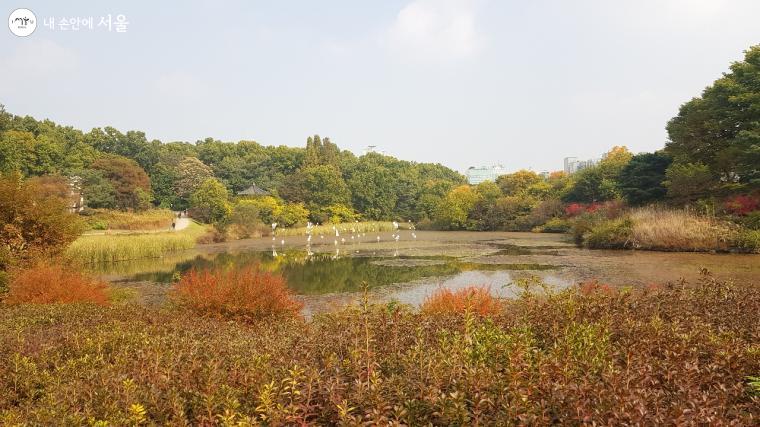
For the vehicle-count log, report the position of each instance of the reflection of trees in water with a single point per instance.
(321, 273)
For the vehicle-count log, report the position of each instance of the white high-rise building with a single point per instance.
(573, 165)
(484, 173)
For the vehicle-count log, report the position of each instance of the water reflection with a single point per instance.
(310, 273)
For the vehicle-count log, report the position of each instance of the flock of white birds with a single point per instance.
(353, 233)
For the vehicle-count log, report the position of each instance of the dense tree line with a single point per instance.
(127, 171)
(712, 161)
(713, 154)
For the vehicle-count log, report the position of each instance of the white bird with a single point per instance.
(321, 236)
(308, 239)
(282, 242)
(336, 242)
(414, 235)
(397, 236)
(343, 240)
(378, 238)
(352, 237)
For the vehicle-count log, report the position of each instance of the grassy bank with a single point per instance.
(661, 356)
(120, 247)
(666, 230)
(107, 219)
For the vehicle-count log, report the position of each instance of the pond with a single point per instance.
(326, 274)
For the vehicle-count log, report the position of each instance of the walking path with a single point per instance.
(181, 223)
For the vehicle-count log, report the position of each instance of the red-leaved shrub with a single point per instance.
(472, 299)
(48, 284)
(246, 294)
(741, 204)
(593, 287)
(574, 209)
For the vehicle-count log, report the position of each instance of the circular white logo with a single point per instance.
(22, 22)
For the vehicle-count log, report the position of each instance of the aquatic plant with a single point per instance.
(105, 248)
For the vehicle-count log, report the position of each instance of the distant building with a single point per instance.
(544, 174)
(76, 197)
(484, 173)
(573, 165)
(372, 149)
(253, 191)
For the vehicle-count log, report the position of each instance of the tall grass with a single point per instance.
(679, 230)
(664, 230)
(344, 228)
(121, 247)
(107, 219)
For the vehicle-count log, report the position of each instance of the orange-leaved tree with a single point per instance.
(34, 222)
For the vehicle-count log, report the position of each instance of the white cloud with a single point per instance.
(435, 30)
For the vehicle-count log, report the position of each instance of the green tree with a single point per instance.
(453, 211)
(291, 214)
(518, 182)
(126, 177)
(600, 182)
(688, 181)
(323, 186)
(15, 148)
(372, 190)
(721, 128)
(209, 203)
(641, 180)
(97, 190)
(245, 218)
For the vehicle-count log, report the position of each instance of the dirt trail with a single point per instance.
(181, 223)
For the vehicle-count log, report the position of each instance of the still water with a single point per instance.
(408, 270)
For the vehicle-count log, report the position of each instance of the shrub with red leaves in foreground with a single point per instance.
(49, 284)
(476, 300)
(246, 293)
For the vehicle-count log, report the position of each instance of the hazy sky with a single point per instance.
(521, 83)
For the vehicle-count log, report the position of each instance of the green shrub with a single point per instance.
(556, 225)
(749, 240)
(752, 220)
(99, 225)
(614, 233)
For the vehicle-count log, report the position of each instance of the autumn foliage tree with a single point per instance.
(130, 182)
(35, 222)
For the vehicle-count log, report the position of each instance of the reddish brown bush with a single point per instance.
(34, 222)
(243, 294)
(472, 299)
(49, 284)
(681, 355)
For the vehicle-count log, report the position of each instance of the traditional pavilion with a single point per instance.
(253, 191)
